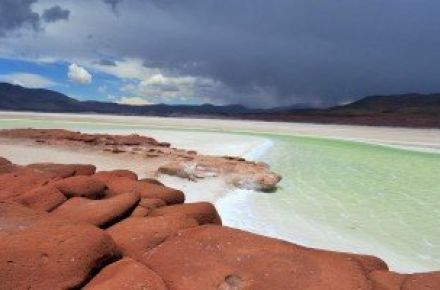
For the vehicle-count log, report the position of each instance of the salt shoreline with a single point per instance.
(405, 138)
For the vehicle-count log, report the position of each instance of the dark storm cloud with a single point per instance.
(258, 52)
(106, 62)
(296, 50)
(55, 13)
(113, 3)
(16, 13)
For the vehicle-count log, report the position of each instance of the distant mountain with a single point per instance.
(414, 110)
(407, 103)
(18, 98)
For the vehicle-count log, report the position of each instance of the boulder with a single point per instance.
(14, 216)
(102, 213)
(152, 181)
(146, 205)
(139, 211)
(146, 190)
(136, 236)
(106, 176)
(44, 198)
(385, 280)
(126, 274)
(14, 184)
(51, 253)
(81, 186)
(215, 257)
(422, 281)
(6, 166)
(202, 212)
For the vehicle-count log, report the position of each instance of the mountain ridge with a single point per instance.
(410, 110)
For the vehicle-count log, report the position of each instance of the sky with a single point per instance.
(257, 53)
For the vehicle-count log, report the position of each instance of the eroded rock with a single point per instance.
(202, 212)
(100, 213)
(136, 236)
(47, 253)
(81, 186)
(126, 274)
(240, 260)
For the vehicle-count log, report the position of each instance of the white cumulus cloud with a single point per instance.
(79, 74)
(28, 80)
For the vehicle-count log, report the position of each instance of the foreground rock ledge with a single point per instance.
(69, 227)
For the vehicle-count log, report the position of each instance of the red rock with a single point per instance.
(4, 161)
(152, 181)
(106, 176)
(214, 257)
(202, 212)
(6, 166)
(385, 280)
(81, 186)
(139, 211)
(423, 281)
(126, 274)
(15, 216)
(100, 213)
(64, 170)
(44, 198)
(146, 205)
(136, 236)
(12, 185)
(146, 190)
(45, 253)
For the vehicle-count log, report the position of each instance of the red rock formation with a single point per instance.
(44, 198)
(146, 190)
(247, 261)
(106, 176)
(202, 212)
(49, 239)
(174, 161)
(146, 206)
(126, 274)
(100, 213)
(46, 253)
(136, 236)
(81, 186)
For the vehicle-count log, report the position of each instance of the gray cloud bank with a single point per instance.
(263, 53)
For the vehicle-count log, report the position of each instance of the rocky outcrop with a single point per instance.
(44, 198)
(38, 252)
(81, 186)
(126, 274)
(182, 163)
(101, 213)
(247, 261)
(136, 236)
(145, 190)
(202, 212)
(51, 238)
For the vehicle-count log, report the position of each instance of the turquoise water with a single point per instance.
(336, 194)
(379, 196)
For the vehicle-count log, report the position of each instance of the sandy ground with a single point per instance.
(419, 139)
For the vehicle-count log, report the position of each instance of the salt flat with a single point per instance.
(414, 138)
